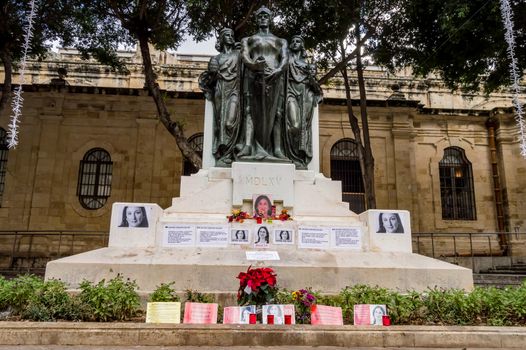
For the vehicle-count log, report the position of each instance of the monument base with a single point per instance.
(326, 246)
(214, 271)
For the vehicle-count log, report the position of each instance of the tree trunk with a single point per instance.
(8, 73)
(354, 123)
(172, 126)
(368, 169)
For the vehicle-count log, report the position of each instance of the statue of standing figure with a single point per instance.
(303, 95)
(265, 59)
(264, 96)
(221, 86)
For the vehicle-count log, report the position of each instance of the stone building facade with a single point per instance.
(414, 123)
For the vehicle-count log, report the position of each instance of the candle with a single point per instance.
(288, 319)
(386, 320)
(252, 318)
(270, 319)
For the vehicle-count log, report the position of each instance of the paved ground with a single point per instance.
(40, 347)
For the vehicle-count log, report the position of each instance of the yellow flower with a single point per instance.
(236, 211)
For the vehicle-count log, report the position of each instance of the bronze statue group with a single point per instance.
(264, 93)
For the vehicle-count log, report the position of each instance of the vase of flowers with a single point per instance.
(257, 286)
(303, 301)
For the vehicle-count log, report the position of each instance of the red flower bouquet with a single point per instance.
(238, 216)
(256, 286)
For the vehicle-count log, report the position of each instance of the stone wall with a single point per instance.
(94, 107)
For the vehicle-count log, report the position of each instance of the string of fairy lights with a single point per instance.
(18, 100)
(507, 19)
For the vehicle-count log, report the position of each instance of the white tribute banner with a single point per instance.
(176, 235)
(212, 235)
(314, 237)
(347, 237)
(259, 255)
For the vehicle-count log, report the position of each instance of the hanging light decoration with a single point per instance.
(18, 100)
(507, 19)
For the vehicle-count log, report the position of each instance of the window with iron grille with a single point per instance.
(3, 161)
(456, 186)
(196, 142)
(345, 167)
(94, 186)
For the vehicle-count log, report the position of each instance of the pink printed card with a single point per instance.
(326, 315)
(200, 313)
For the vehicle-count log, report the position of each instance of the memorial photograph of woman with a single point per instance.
(134, 216)
(390, 223)
(262, 236)
(262, 206)
(239, 236)
(282, 236)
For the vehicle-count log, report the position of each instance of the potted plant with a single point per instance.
(257, 286)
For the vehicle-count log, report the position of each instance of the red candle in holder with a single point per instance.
(252, 318)
(259, 219)
(270, 319)
(288, 319)
(386, 320)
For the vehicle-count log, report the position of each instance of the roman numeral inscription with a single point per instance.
(259, 180)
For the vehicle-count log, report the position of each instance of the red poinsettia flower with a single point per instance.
(256, 286)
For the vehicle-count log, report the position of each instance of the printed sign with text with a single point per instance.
(162, 312)
(238, 314)
(326, 315)
(369, 314)
(314, 237)
(200, 313)
(347, 237)
(178, 235)
(212, 235)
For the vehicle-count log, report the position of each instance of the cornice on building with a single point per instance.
(178, 77)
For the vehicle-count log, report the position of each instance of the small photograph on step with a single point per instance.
(390, 222)
(239, 236)
(261, 237)
(283, 236)
(134, 216)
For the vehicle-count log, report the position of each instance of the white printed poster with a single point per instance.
(314, 237)
(212, 235)
(283, 236)
(176, 235)
(347, 237)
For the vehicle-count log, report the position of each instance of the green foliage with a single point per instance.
(463, 40)
(21, 290)
(116, 300)
(194, 296)
(31, 298)
(164, 293)
(52, 302)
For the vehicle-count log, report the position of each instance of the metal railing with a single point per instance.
(452, 246)
(28, 250)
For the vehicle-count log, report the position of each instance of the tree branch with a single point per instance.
(8, 74)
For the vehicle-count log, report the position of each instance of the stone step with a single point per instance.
(497, 280)
(140, 334)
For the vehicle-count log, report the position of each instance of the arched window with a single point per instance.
(345, 167)
(456, 186)
(94, 186)
(3, 161)
(196, 142)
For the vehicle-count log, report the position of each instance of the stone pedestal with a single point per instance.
(329, 248)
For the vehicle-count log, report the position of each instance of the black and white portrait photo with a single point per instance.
(238, 236)
(390, 223)
(262, 236)
(134, 216)
(283, 236)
